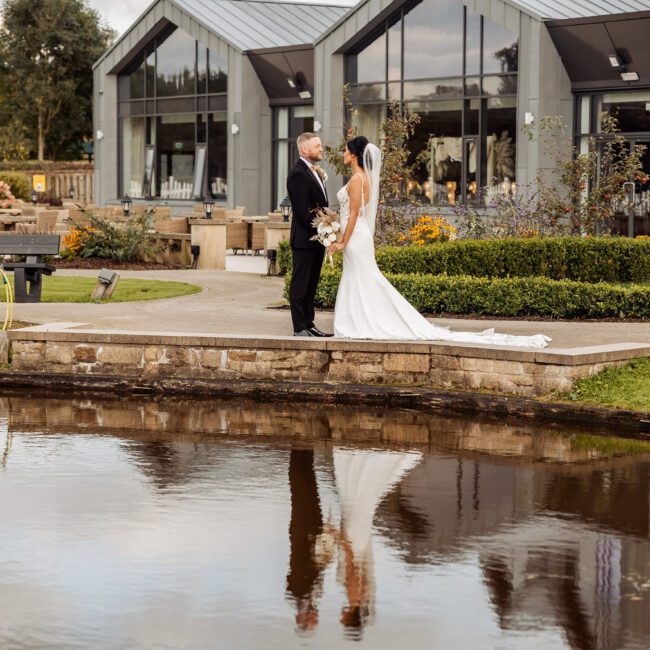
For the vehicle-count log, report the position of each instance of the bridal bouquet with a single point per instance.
(328, 228)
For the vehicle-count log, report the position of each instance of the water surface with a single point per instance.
(179, 524)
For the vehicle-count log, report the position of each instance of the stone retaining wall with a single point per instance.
(437, 365)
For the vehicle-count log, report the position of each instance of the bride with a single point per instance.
(367, 304)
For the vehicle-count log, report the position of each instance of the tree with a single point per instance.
(47, 49)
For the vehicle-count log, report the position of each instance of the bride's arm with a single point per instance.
(354, 192)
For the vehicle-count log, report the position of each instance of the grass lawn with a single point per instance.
(78, 289)
(627, 387)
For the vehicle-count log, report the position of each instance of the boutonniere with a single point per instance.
(322, 173)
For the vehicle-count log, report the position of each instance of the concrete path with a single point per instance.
(236, 303)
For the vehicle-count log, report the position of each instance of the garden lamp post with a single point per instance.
(208, 206)
(126, 204)
(34, 196)
(285, 208)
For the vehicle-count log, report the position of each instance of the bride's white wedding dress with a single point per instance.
(369, 307)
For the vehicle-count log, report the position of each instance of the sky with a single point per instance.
(121, 14)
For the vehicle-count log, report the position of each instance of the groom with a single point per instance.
(306, 188)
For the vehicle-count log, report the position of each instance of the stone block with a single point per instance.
(394, 362)
(476, 365)
(256, 369)
(362, 357)
(85, 354)
(508, 367)
(342, 371)
(211, 358)
(59, 353)
(445, 362)
(119, 355)
(153, 353)
(246, 355)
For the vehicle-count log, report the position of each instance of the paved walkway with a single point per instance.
(245, 303)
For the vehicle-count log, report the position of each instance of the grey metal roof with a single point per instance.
(258, 24)
(541, 9)
(559, 9)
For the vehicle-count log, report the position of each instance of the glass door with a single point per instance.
(632, 216)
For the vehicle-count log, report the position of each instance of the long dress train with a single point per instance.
(369, 307)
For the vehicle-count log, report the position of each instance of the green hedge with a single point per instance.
(506, 297)
(19, 184)
(598, 259)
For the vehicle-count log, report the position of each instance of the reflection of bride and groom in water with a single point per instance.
(362, 478)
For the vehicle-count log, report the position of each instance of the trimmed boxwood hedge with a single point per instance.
(506, 296)
(598, 259)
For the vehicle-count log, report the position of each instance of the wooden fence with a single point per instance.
(63, 184)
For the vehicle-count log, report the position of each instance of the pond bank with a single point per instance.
(435, 376)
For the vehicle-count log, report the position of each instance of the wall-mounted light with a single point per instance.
(234, 129)
(304, 94)
(614, 61)
(629, 76)
(291, 82)
(317, 126)
(100, 135)
(529, 118)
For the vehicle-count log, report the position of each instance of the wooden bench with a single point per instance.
(33, 269)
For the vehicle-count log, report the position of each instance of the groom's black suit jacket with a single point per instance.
(306, 195)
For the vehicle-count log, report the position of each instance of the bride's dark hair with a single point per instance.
(357, 146)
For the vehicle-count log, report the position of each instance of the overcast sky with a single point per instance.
(120, 14)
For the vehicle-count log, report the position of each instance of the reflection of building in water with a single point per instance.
(573, 569)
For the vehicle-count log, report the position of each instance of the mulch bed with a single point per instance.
(96, 263)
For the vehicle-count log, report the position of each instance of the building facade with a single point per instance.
(207, 98)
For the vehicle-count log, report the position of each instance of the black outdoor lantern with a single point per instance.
(126, 204)
(34, 196)
(285, 208)
(208, 206)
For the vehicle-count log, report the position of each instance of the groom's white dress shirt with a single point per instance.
(315, 173)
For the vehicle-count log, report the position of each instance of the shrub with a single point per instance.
(598, 259)
(284, 258)
(506, 296)
(7, 199)
(120, 242)
(19, 184)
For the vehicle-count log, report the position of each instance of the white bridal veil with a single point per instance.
(372, 165)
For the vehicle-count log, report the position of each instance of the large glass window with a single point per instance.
(433, 39)
(133, 143)
(632, 112)
(175, 155)
(458, 71)
(177, 89)
(289, 123)
(217, 158)
(371, 62)
(175, 70)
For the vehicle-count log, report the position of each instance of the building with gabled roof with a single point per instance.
(207, 97)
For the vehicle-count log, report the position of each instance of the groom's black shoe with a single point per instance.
(316, 332)
(303, 333)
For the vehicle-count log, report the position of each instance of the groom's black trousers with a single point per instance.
(307, 263)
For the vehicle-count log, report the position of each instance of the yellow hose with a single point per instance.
(9, 297)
